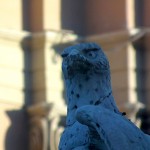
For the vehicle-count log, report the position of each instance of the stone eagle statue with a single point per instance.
(93, 119)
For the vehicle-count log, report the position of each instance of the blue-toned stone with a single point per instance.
(93, 119)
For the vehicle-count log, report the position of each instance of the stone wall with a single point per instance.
(13, 92)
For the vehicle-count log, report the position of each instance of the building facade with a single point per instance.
(33, 33)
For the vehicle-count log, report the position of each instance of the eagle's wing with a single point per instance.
(116, 131)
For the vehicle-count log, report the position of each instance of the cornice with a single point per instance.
(117, 38)
(14, 35)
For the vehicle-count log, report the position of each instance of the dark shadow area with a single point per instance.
(139, 10)
(26, 47)
(73, 16)
(26, 14)
(140, 71)
(143, 114)
(17, 134)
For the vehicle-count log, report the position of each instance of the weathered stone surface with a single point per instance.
(93, 119)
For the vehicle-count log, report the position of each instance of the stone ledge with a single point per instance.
(13, 35)
(117, 40)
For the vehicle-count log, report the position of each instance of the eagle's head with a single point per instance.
(82, 59)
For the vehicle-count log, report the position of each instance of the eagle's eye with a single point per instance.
(91, 54)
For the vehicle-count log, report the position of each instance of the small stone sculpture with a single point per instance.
(93, 119)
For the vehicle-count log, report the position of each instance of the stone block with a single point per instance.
(132, 79)
(55, 84)
(39, 95)
(12, 95)
(39, 79)
(38, 59)
(117, 59)
(54, 95)
(52, 14)
(119, 79)
(11, 9)
(12, 78)
(121, 96)
(11, 57)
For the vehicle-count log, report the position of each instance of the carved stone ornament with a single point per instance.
(38, 134)
(93, 119)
